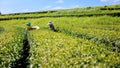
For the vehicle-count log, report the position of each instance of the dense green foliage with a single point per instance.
(65, 47)
(10, 43)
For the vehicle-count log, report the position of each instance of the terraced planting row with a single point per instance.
(10, 46)
(51, 49)
(97, 32)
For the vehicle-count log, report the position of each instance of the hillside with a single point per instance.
(111, 10)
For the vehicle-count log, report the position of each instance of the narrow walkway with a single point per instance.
(23, 61)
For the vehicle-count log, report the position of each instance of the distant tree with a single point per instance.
(105, 6)
(89, 7)
(0, 13)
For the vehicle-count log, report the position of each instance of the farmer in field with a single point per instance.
(51, 26)
(28, 26)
